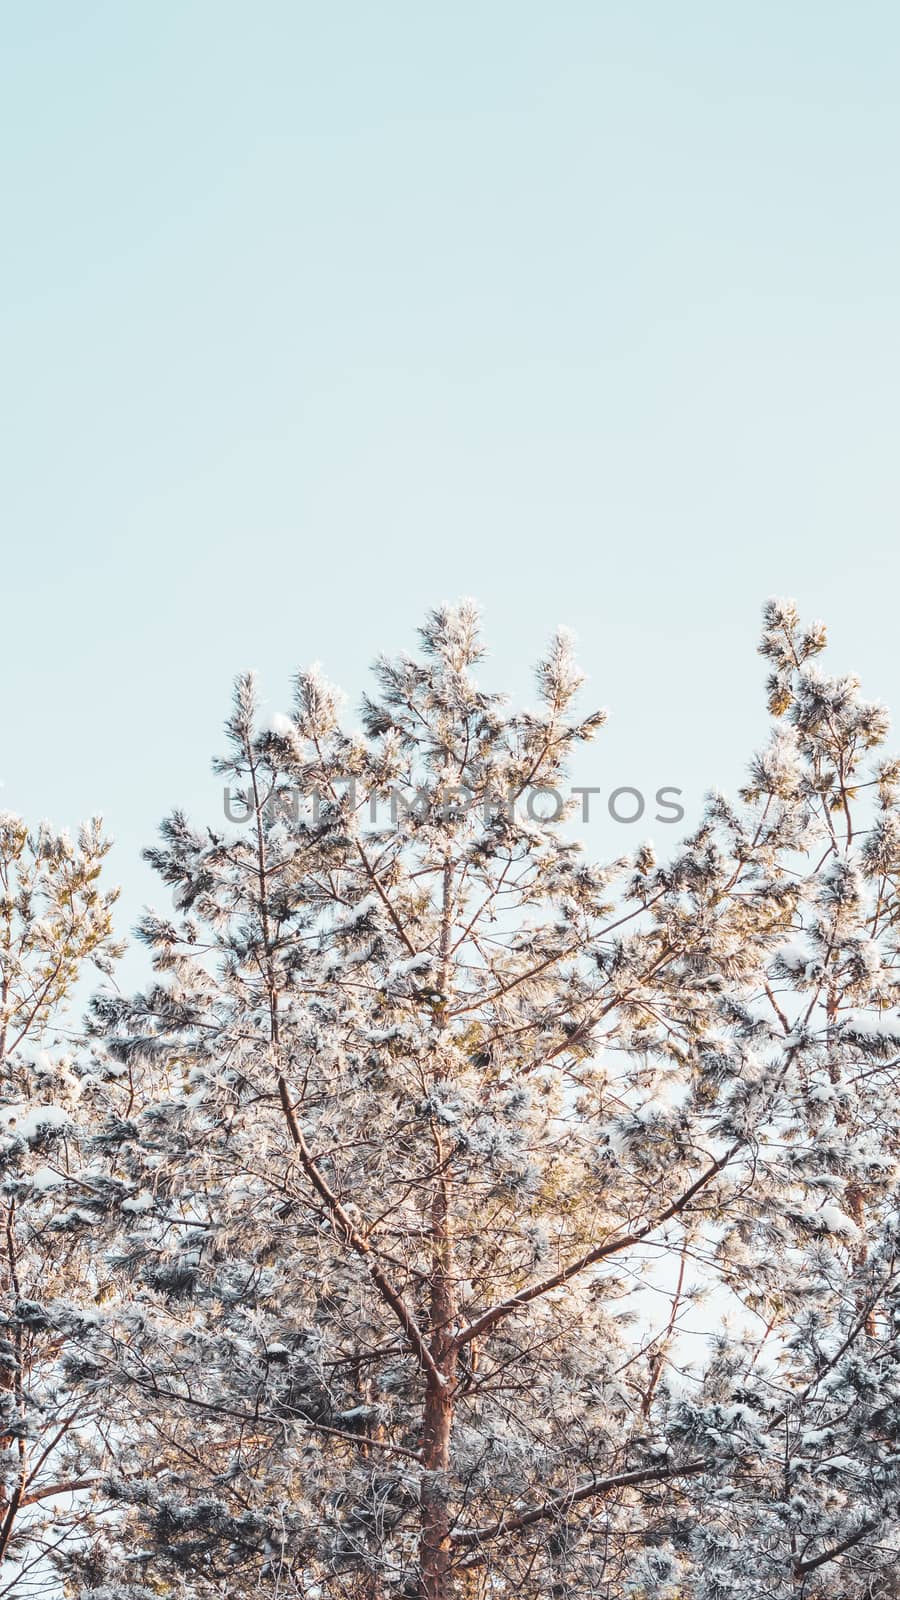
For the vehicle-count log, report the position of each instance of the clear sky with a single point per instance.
(315, 315)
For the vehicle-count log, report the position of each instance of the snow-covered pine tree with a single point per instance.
(55, 922)
(809, 1410)
(448, 1146)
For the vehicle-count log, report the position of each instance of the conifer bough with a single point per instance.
(493, 1223)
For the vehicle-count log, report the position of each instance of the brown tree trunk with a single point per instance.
(856, 1210)
(434, 1557)
(435, 1576)
(12, 1382)
(434, 1554)
(854, 1198)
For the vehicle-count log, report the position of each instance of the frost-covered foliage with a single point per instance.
(492, 1223)
(55, 920)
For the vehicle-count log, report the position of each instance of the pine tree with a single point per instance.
(55, 921)
(443, 1146)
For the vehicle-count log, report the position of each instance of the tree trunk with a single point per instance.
(434, 1554)
(436, 1579)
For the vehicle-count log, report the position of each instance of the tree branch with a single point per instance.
(803, 1567)
(354, 1238)
(67, 1486)
(562, 1502)
(610, 1247)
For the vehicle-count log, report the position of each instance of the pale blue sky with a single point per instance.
(315, 315)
